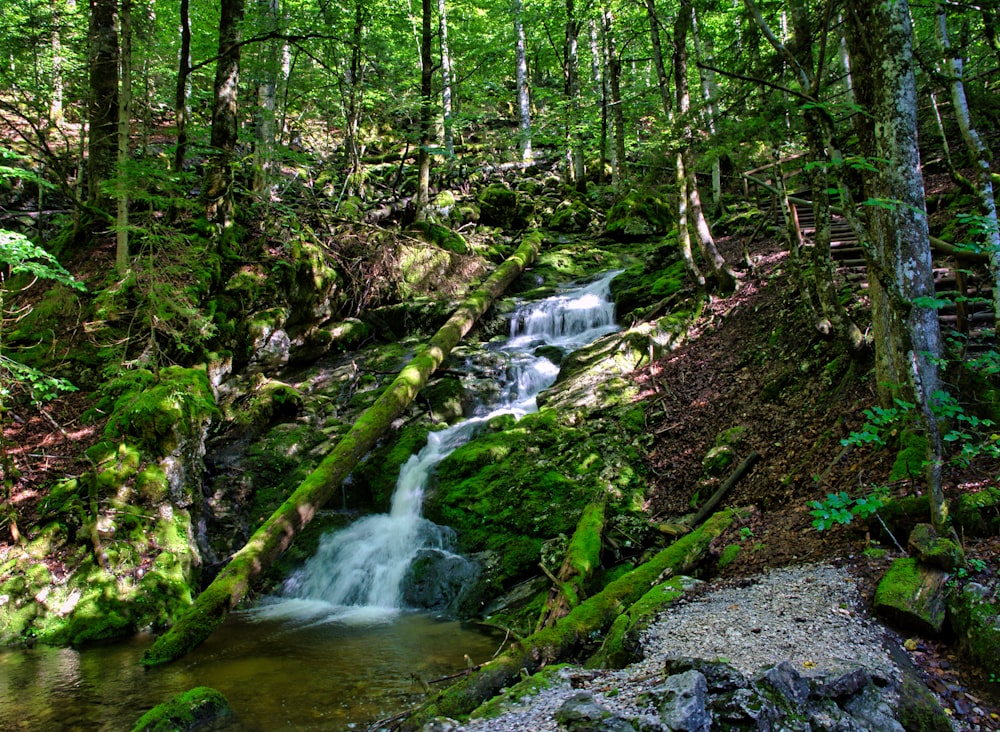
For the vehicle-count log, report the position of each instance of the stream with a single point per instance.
(343, 643)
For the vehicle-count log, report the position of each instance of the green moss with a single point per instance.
(188, 711)
(978, 514)
(729, 555)
(158, 411)
(911, 458)
(640, 213)
(530, 686)
(975, 618)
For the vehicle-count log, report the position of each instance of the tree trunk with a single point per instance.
(724, 275)
(102, 150)
(446, 81)
(274, 536)
(979, 154)
(56, 103)
(523, 100)
(571, 64)
(354, 78)
(704, 51)
(225, 123)
(267, 105)
(124, 128)
(570, 633)
(182, 107)
(907, 334)
(661, 71)
(426, 112)
(617, 112)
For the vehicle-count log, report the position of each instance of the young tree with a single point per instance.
(523, 99)
(426, 111)
(446, 81)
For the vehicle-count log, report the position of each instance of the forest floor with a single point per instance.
(755, 361)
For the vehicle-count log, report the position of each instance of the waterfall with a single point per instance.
(360, 571)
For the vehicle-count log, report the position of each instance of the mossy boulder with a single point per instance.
(978, 514)
(194, 709)
(718, 460)
(502, 207)
(571, 217)
(933, 550)
(639, 214)
(974, 614)
(159, 412)
(641, 287)
(376, 477)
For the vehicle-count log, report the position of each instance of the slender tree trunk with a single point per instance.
(979, 154)
(704, 51)
(617, 112)
(56, 103)
(354, 78)
(426, 112)
(124, 128)
(225, 123)
(571, 64)
(523, 99)
(907, 337)
(661, 71)
(102, 151)
(276, 534)
(446, 81)
(683, 228)
(722, 272)
(267, 105)
(182, 107)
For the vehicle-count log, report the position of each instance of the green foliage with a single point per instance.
(840, 509)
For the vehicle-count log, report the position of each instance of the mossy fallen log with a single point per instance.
(583, 556)
(561, 640)
(274, 535)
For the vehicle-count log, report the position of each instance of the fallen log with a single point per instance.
(583, 556)
(559, 641)
(274, 535)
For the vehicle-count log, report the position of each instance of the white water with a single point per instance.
(357, 573)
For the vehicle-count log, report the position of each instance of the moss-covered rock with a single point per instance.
(502, 207)
(440, 236)
(974, 614)
(978, 514)
(933, 550)
(194, 709)
(571, 217)
(639, 214)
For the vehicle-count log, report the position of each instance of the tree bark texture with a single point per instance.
(523, 99)
(225, 123)
(276, 534)
(102, 152)
(583, 556)
(907, 333)
(181, 95)
(426, 112)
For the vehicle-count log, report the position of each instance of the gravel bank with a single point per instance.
(812, 616)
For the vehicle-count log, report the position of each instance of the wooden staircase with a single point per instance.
(965, 285)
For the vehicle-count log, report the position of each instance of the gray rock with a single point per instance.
(682, 702)
(581, 713)
(721, 677)
(837, 685)
(872, 711)
(788, 682)
(746, 708)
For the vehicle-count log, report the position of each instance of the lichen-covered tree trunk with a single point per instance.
(901, 282)
(276, 534)
(102, 150)
(567, 635)
(583, 556)
(523, 99)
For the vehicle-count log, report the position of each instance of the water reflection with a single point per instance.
(334, 675)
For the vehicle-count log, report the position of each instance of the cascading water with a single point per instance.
(361, 571)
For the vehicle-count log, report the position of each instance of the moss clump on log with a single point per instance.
(583, 556)
(274, 535)
(559, 641)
